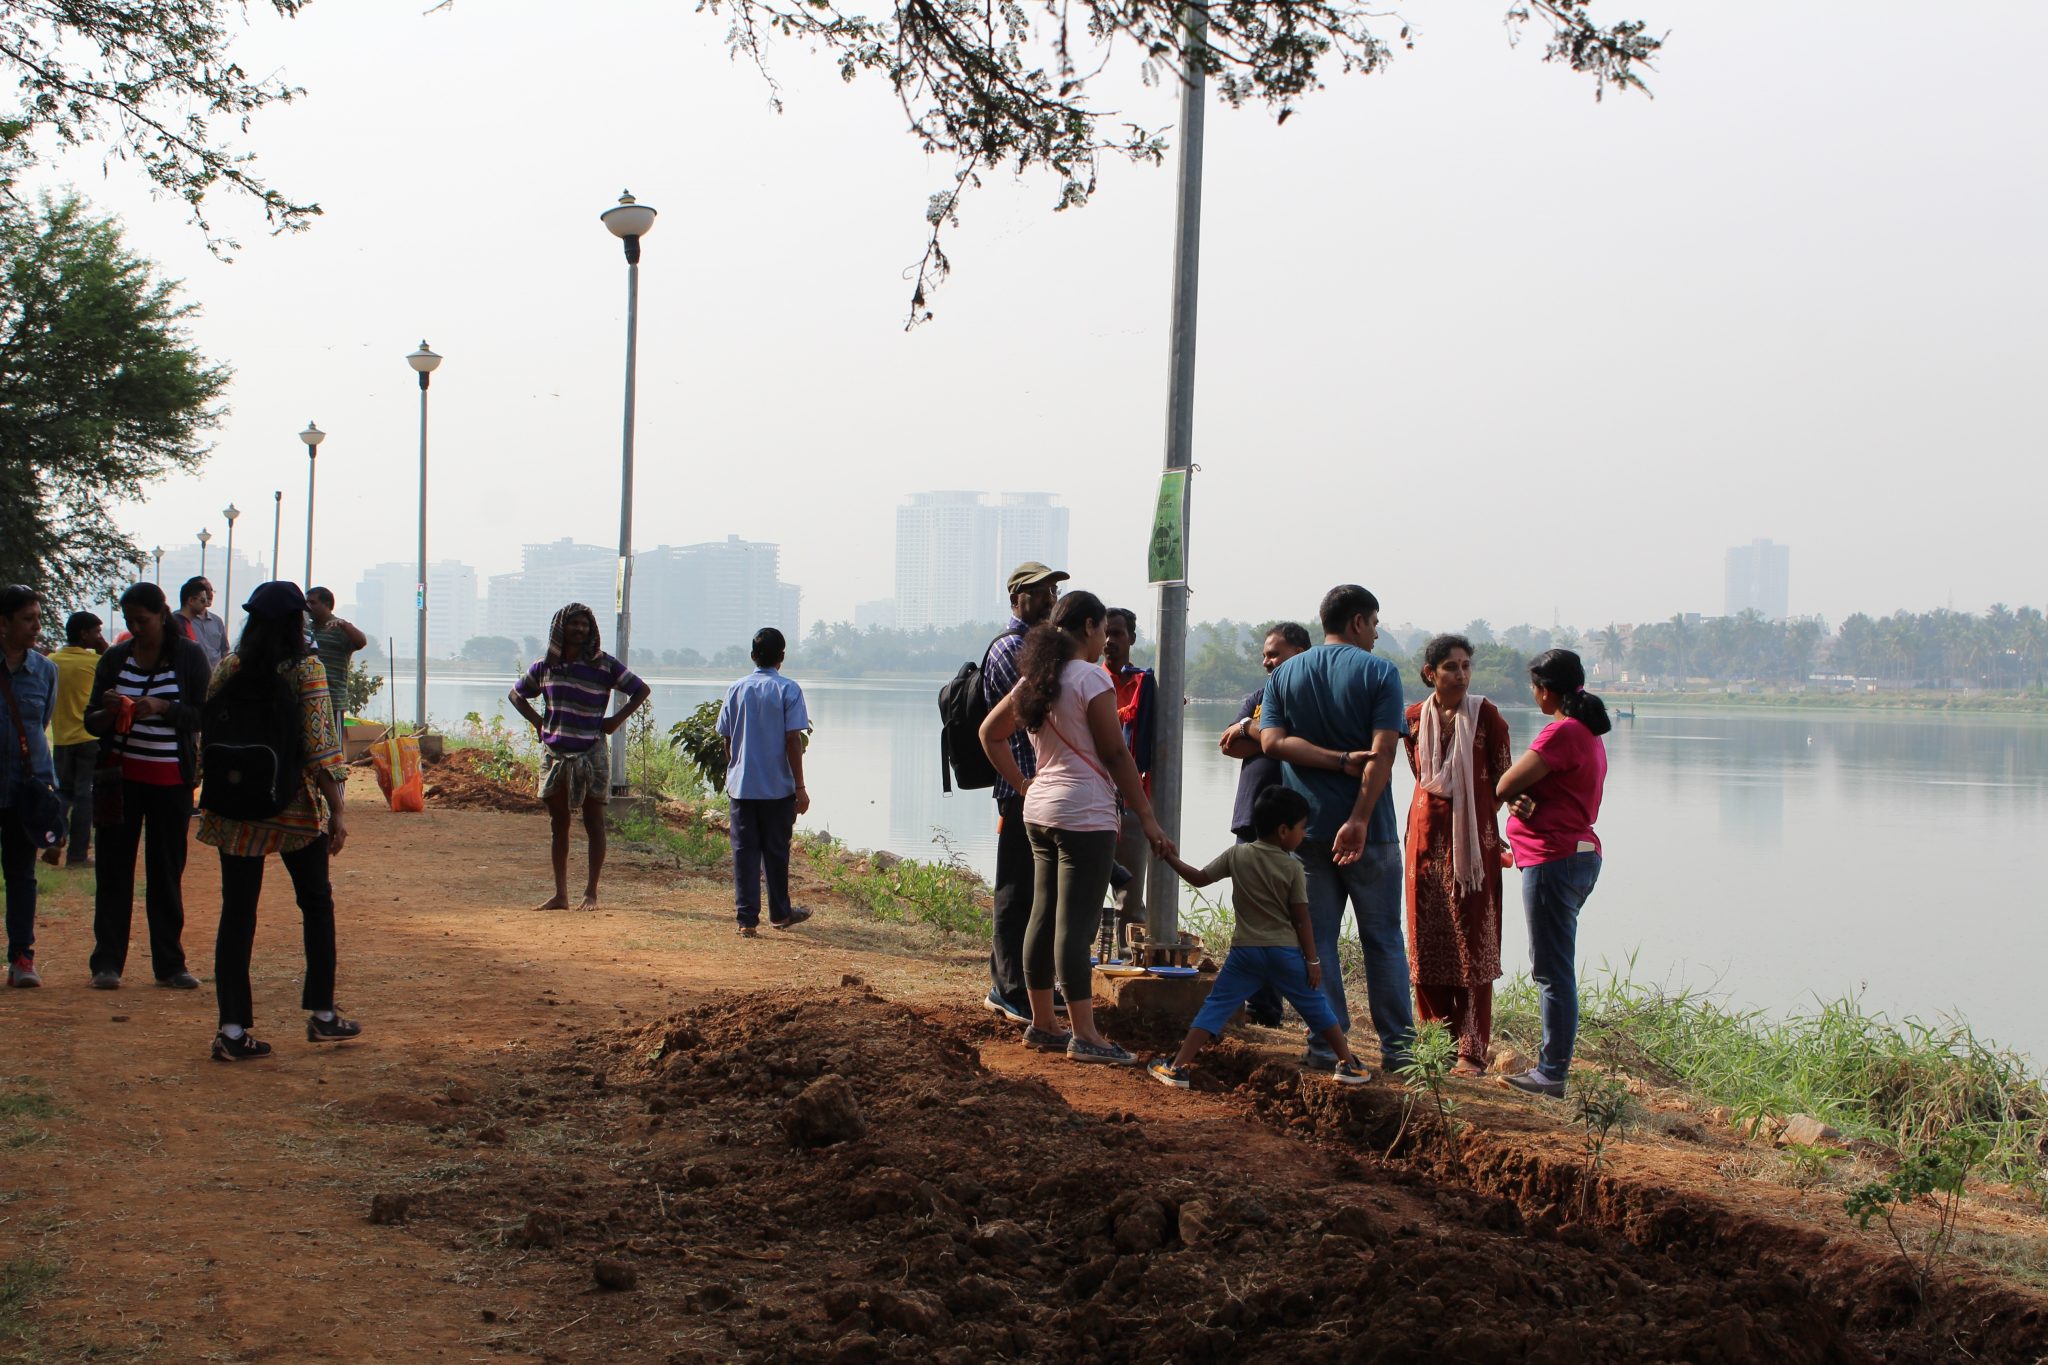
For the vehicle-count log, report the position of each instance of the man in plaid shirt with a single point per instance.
(1033, 589)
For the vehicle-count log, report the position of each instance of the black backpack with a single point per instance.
(962, 709)
(253, 756)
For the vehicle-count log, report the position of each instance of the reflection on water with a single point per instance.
(1785, 855)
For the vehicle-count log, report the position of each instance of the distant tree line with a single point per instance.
(2003, 649)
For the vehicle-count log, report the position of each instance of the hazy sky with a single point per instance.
(1467, 336)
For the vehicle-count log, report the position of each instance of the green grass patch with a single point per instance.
(692, 843)
(22, 1281)
(1903, 1083)
(945, 894)
(24, 1107)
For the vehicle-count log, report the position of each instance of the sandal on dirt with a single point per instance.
(1111, 1055)
(1045, 1040)
(749, 931)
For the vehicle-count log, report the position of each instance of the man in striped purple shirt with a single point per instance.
(576, 680)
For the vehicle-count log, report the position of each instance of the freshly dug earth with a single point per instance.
(785, 1176)
(458, 779)
(610, 1136)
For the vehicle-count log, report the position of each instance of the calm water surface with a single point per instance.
(1777, 857)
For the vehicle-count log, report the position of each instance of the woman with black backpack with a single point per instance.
(146, 695)
(273, 784)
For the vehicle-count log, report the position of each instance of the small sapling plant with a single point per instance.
(1934, 1173)
(1431, 1055)
(1604, 1112)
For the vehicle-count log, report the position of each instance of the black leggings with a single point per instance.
(241, 885)
(156, 818)
(1071, 877)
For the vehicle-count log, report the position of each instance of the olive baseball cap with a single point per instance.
(1032, 574)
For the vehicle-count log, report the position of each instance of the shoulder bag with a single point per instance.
(37, 806)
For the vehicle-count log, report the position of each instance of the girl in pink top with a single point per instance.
(1553, 794)
(1067, 702)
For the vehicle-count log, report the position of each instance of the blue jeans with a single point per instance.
(1372, 885)
(1552, 894)
(761, 832)
(1246, 970)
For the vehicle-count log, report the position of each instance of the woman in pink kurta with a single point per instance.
(1458, 747)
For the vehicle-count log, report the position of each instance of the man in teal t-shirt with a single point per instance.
(1333, 716)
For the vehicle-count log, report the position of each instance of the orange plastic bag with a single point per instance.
(400, 755)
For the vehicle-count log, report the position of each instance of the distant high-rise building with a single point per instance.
(704, 597)
(520, 605)
(387, 605)
(709, 597)
(879, 614)
(953, 550)
(1759, 578)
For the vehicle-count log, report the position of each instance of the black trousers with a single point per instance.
(158, 819)
(1015, 873)
(241, 886)
(761, 831)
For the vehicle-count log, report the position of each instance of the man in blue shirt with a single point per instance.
(1333, 716)
(764, 723)
(1033, 589)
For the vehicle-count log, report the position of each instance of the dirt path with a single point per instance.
(564, 1067)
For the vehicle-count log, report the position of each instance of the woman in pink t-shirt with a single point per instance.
(1067, 702)
(1553, 793)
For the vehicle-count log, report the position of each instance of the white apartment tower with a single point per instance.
(1759, 578)
(954, 549)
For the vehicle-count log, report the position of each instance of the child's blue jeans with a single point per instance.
(1247, 969)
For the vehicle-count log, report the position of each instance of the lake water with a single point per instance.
(1775, 856)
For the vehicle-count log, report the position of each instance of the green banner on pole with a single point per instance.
(1168, 561)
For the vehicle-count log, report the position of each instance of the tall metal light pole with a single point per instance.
(312, 436)
(227, 590)
(629, 221)
(423, 362)
(204, 536)
(276, 525)
(159, 553)
(1162, 899)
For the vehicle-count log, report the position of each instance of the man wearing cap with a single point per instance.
(1033, 589)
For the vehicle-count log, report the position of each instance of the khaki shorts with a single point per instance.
(585, 776)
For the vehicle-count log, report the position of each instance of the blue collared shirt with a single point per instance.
(761, 711)
(35, 690)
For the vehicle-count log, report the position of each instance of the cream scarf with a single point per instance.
(1451, 777)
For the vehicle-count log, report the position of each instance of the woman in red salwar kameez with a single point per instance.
(1458, 747)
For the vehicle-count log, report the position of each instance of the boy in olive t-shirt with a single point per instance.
(1272, 943)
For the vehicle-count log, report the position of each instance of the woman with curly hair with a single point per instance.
(575, 680)
(1067, 703)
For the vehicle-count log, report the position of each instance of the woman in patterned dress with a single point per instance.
(1458, 747)
(309, 831)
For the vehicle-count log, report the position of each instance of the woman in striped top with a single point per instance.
(147, 693)
(305, 834)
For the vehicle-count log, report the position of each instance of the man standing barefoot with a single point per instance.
(764, 721)
(576, 679)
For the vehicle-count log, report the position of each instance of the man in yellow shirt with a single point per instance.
(74, 751)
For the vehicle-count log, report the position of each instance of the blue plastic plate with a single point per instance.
(1176, 971)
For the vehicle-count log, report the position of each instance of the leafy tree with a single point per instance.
(363, 685)
(101, 393)
(1011, 86)
(493, 651)
(148, 80)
